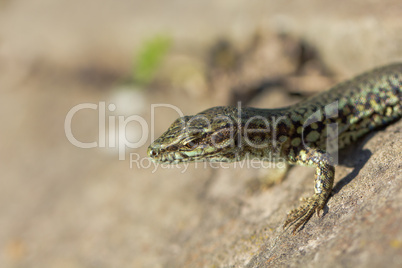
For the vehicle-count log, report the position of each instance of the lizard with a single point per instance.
(308, 133)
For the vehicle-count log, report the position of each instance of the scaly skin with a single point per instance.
(308, 133)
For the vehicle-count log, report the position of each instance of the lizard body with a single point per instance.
(308, 133)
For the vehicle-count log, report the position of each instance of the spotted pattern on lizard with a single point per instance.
(308, 133)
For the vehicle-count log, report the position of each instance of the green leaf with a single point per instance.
(149, 58)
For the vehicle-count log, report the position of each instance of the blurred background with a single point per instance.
(65, 206)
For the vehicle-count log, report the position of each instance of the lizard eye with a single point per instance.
(193, 143)
(153, 153)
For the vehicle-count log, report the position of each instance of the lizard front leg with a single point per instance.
(324, 180)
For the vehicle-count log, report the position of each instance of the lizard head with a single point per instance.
(206, 136)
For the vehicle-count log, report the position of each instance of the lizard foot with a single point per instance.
(301, 215)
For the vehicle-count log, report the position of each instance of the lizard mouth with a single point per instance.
(174, 157)
(171, 157)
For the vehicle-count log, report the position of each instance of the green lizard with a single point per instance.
(307, 133)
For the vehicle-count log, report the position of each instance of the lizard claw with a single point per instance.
(319, 214)
(301, 215)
